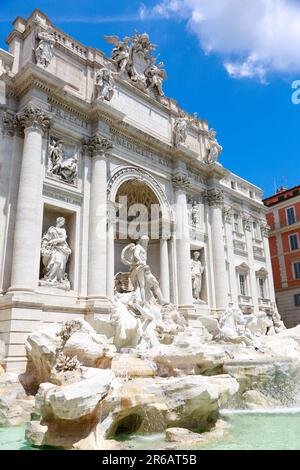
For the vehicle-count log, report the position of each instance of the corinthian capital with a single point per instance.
(10, 124)
(97, 145)
(181, 180)
(33, 116)
(214, 197)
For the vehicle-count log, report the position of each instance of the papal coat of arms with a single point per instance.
(134, 58)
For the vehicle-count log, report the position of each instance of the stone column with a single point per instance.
(14, 132)
(164, 267)
(184, 278)
(214, 198)
(99, 147)
(248, 224)
(111, 223)
(265, 231)
(27, 238)
(228, 214)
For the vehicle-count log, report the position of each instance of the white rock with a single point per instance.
(182, 435)
(15, 411)
(159, 403)
(91, 349)
(36, 433)
(79, 399)
(184, 438)
(8, 378)
(41, 348)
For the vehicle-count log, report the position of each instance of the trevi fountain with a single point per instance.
(137, 306)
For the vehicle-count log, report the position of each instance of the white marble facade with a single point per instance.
(79, 131)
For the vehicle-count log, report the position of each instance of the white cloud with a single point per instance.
(253, 37)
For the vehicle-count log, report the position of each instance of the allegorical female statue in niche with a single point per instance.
(197, 272)
(55, 252)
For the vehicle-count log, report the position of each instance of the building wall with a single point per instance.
(286, 305)
(282, 255)
(140, 128)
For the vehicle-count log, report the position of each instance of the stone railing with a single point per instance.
(245, 300)
(68, 43)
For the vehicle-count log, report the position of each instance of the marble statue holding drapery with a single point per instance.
(55, 253)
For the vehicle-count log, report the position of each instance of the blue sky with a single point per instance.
(216, 65)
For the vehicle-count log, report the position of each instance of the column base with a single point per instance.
(97, 297)
(20, 289)
(187, 310)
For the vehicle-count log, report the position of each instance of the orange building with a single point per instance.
(284, 220)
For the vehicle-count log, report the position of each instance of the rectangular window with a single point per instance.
(297, 300)
(233, 185)
(236, 222)
(294, 244)
(242, 280)
(297, 270)
(290, 215)
(261, 283)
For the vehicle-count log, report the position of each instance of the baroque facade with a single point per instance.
(79, 133)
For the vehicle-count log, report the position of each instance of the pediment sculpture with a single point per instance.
(134, 60)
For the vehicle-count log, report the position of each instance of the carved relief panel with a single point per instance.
(63, 161)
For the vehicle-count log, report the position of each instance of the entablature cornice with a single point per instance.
(56, 192)
(32, 76)
(242, 198)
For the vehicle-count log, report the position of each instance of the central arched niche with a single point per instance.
(130, 194)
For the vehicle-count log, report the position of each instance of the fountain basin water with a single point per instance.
(247, 430)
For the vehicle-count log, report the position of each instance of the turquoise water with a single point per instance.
(13, 439)
(260, 431)
(267, 430)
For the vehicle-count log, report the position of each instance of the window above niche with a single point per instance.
(256, 232)
(236, 222)
(242, 272)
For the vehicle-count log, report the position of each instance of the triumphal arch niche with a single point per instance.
(87, 139)
(137, 206)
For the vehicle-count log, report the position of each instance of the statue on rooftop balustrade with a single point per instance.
(45, 48)
(105, 84)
